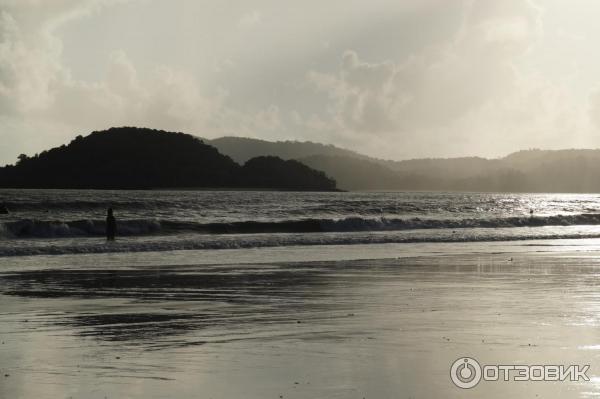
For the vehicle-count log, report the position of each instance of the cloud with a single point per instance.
(31, 71)
(250, 19)
(594, 107)
(26, 68)
(396, 79)
(454, 96)
(268, 119)
(439, 84)
(38, 90)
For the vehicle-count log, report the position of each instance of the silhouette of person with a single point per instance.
(111, 225)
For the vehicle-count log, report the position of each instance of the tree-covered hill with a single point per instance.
(138, 158)
(273, 172)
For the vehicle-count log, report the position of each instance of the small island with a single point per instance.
(140, 158)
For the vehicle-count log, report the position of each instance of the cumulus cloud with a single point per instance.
(453, 97)
(30, 66)
(438, 85)
(38, 90)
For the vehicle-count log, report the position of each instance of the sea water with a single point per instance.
(55, 222)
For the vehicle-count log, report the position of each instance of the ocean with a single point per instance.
(43, 222)
(226, 294)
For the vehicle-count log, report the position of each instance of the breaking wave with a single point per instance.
(165, 243)
(28, 228)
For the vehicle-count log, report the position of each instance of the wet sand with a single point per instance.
(383, 328)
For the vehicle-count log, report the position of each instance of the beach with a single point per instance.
(299, 200)
(377, 322)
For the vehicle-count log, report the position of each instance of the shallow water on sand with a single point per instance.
(288, 328)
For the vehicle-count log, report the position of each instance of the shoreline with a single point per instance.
(584, 247)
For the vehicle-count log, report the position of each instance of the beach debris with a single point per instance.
(7, 375)
(117, 357)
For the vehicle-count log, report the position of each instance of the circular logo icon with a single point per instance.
(465, 372)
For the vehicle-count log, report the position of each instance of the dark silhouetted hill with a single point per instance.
(137, 158)
(146, 158)
(242, 149)
(273, 172)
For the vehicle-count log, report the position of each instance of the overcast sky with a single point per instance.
(389, 78)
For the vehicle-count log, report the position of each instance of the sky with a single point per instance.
(391, 79)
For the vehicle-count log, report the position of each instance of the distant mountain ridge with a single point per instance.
(146, 158)
(139, 158)
(571, 170)
(241, 149)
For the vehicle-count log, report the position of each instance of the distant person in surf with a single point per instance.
(111, 225)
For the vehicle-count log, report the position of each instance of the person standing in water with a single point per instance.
(111, 225)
